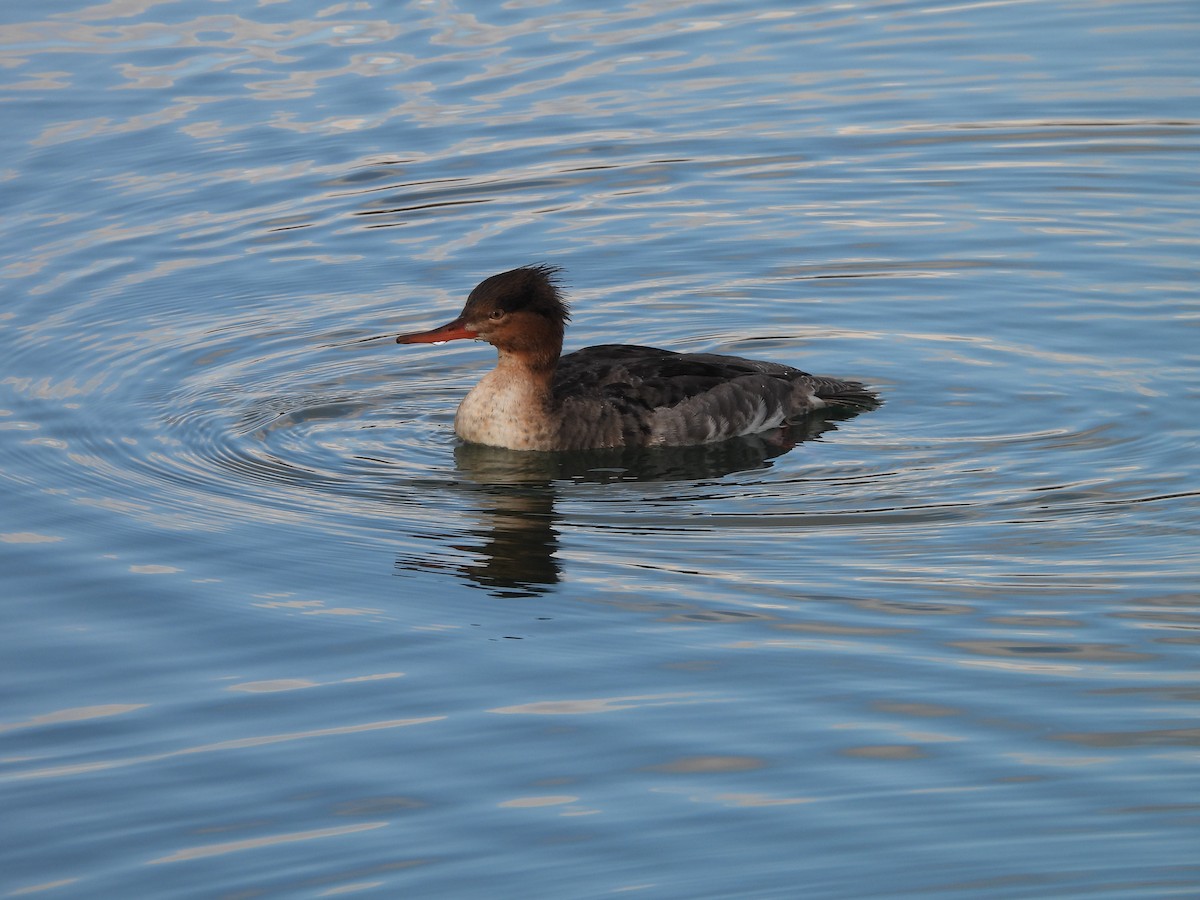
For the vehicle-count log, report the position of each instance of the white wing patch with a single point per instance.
(763, 418)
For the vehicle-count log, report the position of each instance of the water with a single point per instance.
(269, 631)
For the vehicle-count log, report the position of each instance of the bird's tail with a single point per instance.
(848, 395)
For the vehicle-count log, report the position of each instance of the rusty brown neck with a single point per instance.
(534, 369)
(534, 353)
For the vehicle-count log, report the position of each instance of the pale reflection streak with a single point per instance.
(76, 714)
(1086, 668)
(900, 732)
(601, 704)
(82, 129)
(1085, 658)
(738, 799)
(276, 685)
(535, 802)
(825, 645)
(269, 841)
(28, 537)
(117, 9)
(38, 888)
(759, 799)
(885, 751)
(564, 805)
(236, 744)
(318, 608)
(707, 765)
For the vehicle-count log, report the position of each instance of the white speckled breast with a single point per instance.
(506, 410)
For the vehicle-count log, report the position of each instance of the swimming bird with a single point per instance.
(612, 395)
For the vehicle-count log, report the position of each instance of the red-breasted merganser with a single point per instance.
(613, 395)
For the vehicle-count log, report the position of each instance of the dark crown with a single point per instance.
(529, 288)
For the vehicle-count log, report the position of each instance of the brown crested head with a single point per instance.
(529, 289)
(519, 312)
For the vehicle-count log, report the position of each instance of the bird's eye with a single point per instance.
(497, 314)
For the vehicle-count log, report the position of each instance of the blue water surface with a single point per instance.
(269, 629)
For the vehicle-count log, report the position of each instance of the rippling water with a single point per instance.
(270, 630)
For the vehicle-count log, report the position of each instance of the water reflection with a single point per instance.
(497, 466)
(515, 542)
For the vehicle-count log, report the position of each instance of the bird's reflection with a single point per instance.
(517, 537)
(516, 541)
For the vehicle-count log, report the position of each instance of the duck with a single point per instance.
(613, 395)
